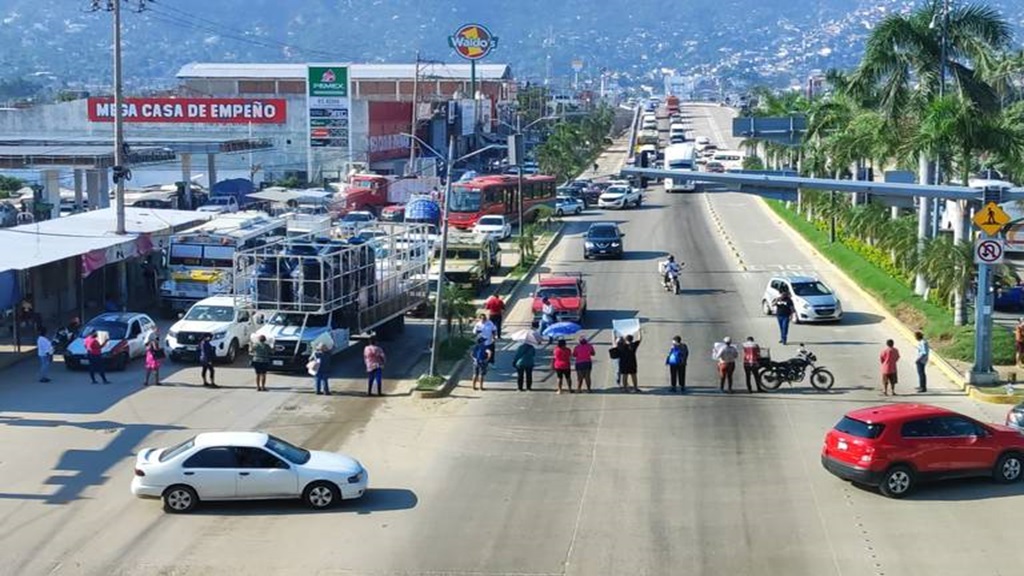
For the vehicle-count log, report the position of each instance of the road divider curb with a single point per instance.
(462, 366)
(722, 232)
(934, 358)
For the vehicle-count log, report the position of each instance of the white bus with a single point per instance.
(680, 157)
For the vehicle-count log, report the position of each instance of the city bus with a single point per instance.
(497, 194)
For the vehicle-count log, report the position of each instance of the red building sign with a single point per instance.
(388, 120)
(192, 110)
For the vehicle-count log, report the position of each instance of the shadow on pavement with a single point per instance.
(859, 319)
(78, 469)
(375, 500)
(703, 291)
(959, 490)
(643, 255)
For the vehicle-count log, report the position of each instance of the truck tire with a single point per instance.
(232, 354)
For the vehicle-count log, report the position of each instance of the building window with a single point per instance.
(291, 87)
(256, 87)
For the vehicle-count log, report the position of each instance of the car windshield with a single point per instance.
(211, 313)
(558, 292)
(219, 202)
(173, 451)
(463, 254)
(356, 217)
(603, 232)
(810, 289)
(115, 330)
(312, 321)
(859, 428)
(617, 190)
(288, 451)
(464, 199)
(492, 221)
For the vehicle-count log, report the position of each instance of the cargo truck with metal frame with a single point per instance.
(308, 290)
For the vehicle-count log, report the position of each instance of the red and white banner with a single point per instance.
(388, 120)
(192, 110)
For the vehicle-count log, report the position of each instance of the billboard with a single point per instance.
(192, 110)
(388, 120)
(328, 104)
(473, 41)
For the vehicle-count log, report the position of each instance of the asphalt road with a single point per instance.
(532, 483)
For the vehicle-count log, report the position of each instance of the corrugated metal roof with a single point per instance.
(31, 245)
(233, 71)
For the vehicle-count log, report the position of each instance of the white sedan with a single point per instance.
(494, 227)
(245, 466)
(569, 205)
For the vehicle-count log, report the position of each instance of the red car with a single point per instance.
(893, 447)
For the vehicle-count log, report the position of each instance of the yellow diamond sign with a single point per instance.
(991, 219)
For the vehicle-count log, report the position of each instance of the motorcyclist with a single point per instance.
(67, 334)
(671, 268)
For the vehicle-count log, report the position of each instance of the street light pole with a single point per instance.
(444, 253)
(519, 183)
(119, 149)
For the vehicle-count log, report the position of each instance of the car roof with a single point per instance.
(231, 439)
(218, 301)
(492, 216)
(897, 412)
(558, 281)
(796, 279)
(117, 317)
(603, 225)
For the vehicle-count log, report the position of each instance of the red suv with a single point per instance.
(896, 446)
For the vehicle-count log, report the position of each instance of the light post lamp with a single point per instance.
(449, 162)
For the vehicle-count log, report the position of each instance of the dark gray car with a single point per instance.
(603, 239)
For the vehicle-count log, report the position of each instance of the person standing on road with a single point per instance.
(319, 367)
(678, 354)
(561, 362)
(888, 358)
(486, 329)
(547, 316)
(583, 354)
(784, 310)
(523, 362)
(154, 357)
(94, 354)
(1018, 337)
(921, 362)
(481, 355)
(613, 353)
(752, 363)
(374, 358)
(627, 361)
(207, 354)
(725, 354)
(495, 307)
(44, 348)
(260, 352)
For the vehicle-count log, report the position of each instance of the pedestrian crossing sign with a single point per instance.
(992, 218)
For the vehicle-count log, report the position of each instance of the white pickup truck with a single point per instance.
(620, 195)
(230, 329)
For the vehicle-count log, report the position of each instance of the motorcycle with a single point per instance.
(63, 338)
(671, 282)
(794, 370)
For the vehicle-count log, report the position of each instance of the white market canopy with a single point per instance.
(31, 245)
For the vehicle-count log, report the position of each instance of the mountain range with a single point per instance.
(67, 44)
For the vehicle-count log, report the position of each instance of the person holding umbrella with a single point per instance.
(547, 317)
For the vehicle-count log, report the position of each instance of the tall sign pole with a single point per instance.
(327, 95)
(988, 252)
(473, 42)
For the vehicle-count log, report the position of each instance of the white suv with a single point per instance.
(813, 301)
(229, 328)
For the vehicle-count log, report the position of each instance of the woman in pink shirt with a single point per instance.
(562, 363)
(888, 358)
(583, 354)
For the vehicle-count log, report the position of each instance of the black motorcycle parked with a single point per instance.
(794, 370)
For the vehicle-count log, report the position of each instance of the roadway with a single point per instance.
(503, 482)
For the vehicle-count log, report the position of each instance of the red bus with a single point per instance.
(497, 194)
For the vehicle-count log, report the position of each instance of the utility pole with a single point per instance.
(444, 249)
(119, 155)
(411, 169)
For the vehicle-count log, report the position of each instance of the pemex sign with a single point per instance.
(473, 41)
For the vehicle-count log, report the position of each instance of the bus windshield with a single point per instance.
(464, 199)
(680, 164)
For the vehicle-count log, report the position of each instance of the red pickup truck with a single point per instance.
(567, 292)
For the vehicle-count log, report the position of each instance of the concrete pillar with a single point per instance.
(104, 198)
(211, 169)
(51, 191)
(186, 177)
(79, 183)
(92, 187)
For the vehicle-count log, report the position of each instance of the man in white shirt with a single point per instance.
(486, 329)
(44, 348)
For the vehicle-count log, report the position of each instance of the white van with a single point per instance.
(731, 159)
